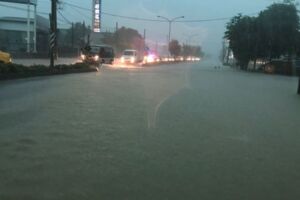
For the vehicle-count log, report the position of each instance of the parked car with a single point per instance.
(5, 57)
(97, 54)
(283, 67)
(296, 67)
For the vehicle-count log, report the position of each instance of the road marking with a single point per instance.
(153, 119)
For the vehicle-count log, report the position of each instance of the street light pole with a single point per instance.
(170, 21)
(170, 29)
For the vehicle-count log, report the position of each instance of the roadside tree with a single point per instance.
(174, 48)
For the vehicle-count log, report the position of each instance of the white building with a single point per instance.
(13, 34)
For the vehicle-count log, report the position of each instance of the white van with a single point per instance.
(130, 56)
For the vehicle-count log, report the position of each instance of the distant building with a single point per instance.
(96, 38)
(101, 38)
(227, 54)
(13, 34)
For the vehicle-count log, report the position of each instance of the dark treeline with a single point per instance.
(272, 34)
(176, 49)
(124, 38)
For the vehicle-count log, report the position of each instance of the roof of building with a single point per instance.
(42, 22)
(32, 2)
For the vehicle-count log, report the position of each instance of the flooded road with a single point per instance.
(186, 131)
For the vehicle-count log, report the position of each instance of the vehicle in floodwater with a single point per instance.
(98, 54)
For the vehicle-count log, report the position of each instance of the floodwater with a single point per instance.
(186, 131)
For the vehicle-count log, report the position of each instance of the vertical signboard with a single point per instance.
(97, 16)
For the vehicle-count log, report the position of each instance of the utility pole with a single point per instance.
(72, 35)
(117, 26)
(53, 42)
(145, 35)
(170, 29)
(28, 27)
(34, 31)
(144, 43)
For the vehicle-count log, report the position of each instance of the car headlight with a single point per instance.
(122, 60)
(150, 59)
(132, 59)
(96, 57)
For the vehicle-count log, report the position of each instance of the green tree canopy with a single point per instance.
(127, 38)
(242, 38)
(174, 48)
(274, 33)
(280, 28)
(190, 50)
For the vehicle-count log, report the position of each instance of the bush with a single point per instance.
(298, 71)
(4, 68)
(11, 71)
(12, 68)
(38, 68)
(73, 66)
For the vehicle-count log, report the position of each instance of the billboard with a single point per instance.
(97, 16)
(32, 2)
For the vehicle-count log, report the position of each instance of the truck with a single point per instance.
(98, 54)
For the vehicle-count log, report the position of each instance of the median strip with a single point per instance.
(16, 71)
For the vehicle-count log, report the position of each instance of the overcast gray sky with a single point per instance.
(208, 34)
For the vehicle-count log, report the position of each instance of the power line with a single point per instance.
(85, 15)
(127, 17)
(68, 21)
(80, 7)
(115, 15)
(132, 18)
(154, 20)
(210, 20)
(203, 20)
(25, 10)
